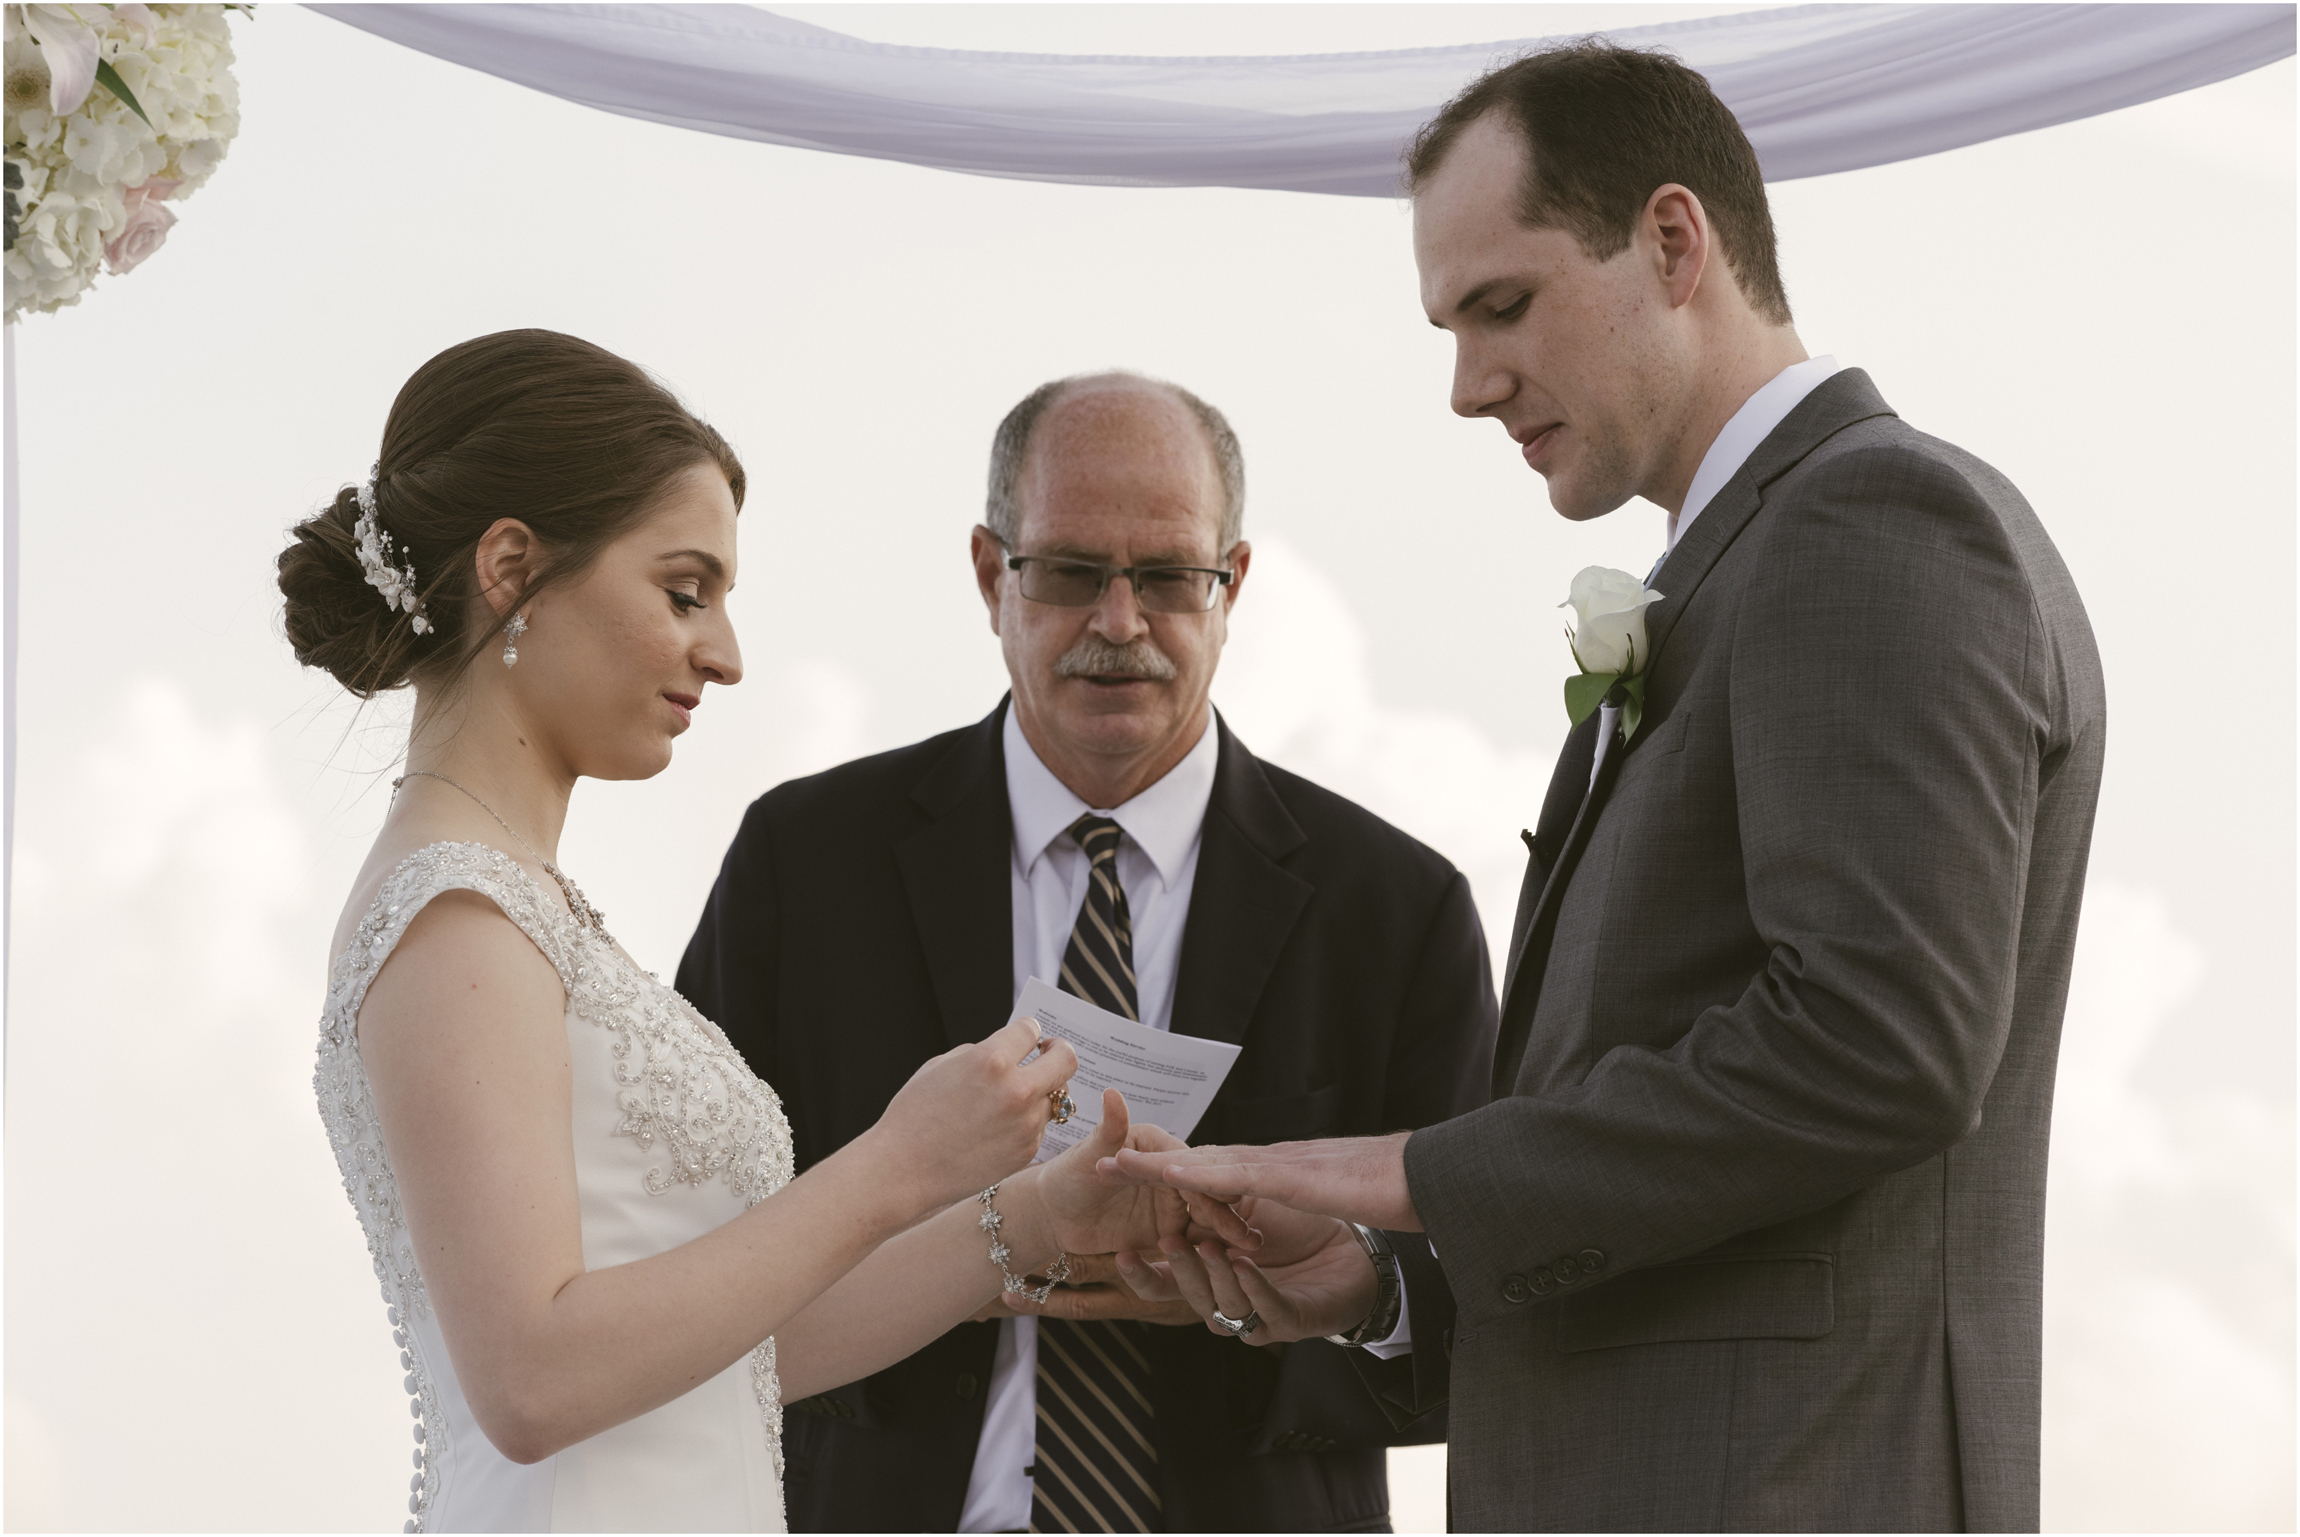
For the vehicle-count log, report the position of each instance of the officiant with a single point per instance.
(1101, 828)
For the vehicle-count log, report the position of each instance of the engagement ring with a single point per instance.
(1063, 1107)
(1241, 1327)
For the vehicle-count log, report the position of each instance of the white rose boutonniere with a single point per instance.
(1607, 639)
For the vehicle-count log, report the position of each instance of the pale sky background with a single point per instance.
(2104, 310)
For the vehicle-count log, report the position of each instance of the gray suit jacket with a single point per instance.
(1752, 1237)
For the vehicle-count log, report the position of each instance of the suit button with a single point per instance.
(1567, 1271)
(966, 1386)
(1544, 1281)
(1592, 1260)
(1514, 1289)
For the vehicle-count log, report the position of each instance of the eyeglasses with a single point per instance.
(1067, 583)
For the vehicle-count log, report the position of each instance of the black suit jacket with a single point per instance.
(863, 923)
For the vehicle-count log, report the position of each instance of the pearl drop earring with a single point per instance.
(511, 633)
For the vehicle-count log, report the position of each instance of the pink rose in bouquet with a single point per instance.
(149, 220)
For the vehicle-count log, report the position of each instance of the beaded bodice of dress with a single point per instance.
(697, 1115)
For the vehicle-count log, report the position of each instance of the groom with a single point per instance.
(1752, 1235)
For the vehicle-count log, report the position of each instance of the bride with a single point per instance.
(603, 1279)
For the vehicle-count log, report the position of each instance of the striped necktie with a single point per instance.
(1097, 1468)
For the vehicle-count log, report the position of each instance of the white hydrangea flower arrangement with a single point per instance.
(112, 113)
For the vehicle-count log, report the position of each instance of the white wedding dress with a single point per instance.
(673, 1136)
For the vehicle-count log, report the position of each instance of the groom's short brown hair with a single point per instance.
(1604, 126)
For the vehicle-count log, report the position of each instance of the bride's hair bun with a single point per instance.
(335, 620)
(570, 439)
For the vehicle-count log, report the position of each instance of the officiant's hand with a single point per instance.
(1357, 1179)
(1312, 1278)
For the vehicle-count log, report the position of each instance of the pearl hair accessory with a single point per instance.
(397, 584)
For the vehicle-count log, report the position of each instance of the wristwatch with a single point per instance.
(1389, 1291)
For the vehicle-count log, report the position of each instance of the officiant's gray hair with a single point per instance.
(1010, 449)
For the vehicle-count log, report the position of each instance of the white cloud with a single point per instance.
(2133, 970)
(2168, 1257)
(2158, 1415)
(1296, 687)
(188, 1294)
(35, 1495)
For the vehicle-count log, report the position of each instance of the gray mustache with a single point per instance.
(1095, 657)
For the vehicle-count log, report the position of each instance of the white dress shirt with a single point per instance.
(1749, 426)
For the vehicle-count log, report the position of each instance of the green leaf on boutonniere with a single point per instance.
(1632, 702)
(1584, 692)
(109, 79)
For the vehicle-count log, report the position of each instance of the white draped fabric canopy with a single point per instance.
(1819, 88)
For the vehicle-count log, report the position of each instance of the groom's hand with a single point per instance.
(1357, 1179)
(1327, 1285)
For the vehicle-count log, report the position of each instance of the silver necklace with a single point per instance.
(587, 915)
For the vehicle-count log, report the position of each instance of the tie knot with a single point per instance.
(1098, 836)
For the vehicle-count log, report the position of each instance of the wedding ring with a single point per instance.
(1064, 1107)
(1241, 1327)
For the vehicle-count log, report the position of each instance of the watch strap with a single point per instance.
(1389, 1291)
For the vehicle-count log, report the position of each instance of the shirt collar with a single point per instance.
(1750, 426)
(1163, 820)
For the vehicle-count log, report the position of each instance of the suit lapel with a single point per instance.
(1243, 903)
(1836, 403)
(1533, 959)
(1841, 400)
(955, 872)
(1568, 788)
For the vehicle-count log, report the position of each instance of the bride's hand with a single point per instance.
(972, 1116)
(1091, 1214)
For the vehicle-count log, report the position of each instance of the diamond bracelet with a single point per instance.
(1056, 1273)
